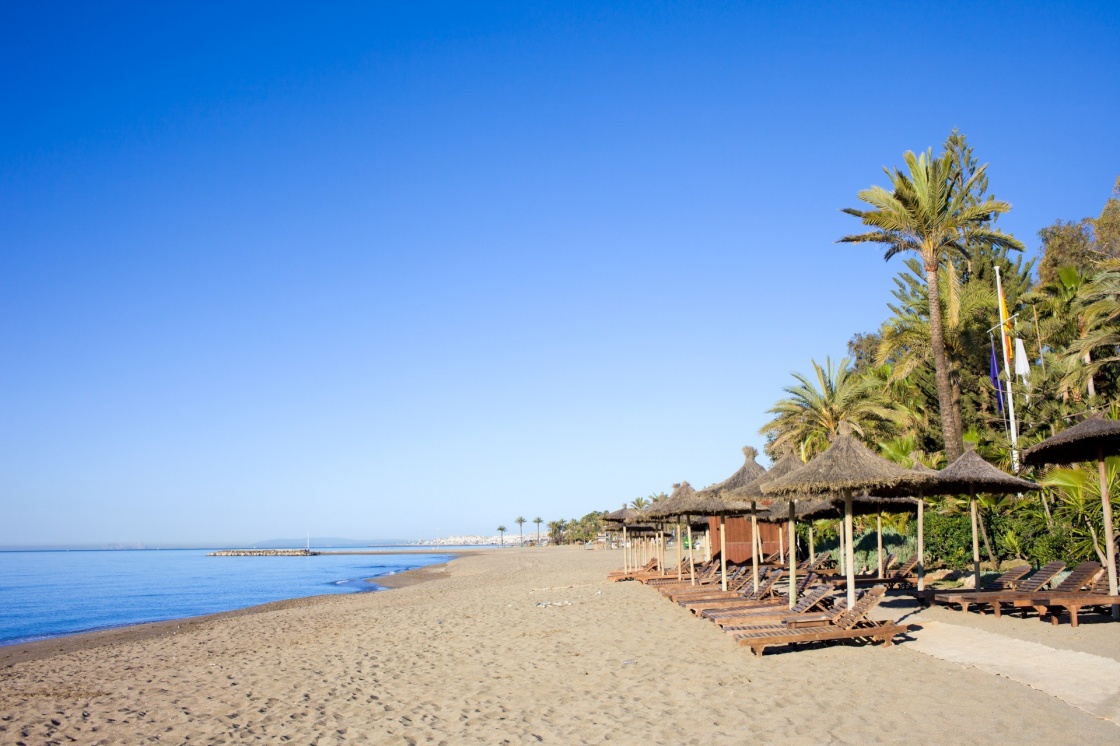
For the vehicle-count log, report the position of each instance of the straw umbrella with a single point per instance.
(719, 497)
(1094, 438)
(680, 503)
(619, 517)
(972, 474)
(752, 491)
(708, 503)
(847, 466)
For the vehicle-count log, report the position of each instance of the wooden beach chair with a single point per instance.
(736, 583)
(1033, 584)
(812, 599)
(767, 596)
(1082, 577)
(838, 624)
(1096, 597)
(707, 572)
(745, 590)
(617, 575)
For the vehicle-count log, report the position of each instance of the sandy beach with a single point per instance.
(522, 646)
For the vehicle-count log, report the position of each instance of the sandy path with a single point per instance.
(472, 658)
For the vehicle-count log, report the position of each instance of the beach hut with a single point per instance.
(972, 474)
(1092, 439)
(847, 467)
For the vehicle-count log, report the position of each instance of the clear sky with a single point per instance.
(405, 269)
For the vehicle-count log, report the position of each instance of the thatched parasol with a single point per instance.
(972, 474)
(847, 466)
(717, 500)
(681, 502)
(618, 519)
(1094, 438)
(753, 491)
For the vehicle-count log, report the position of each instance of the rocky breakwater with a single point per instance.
(264, 553)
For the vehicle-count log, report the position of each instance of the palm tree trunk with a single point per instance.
(954, 445)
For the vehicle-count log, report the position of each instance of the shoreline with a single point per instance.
(22, 652)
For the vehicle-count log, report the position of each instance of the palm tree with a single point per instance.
(538, 520)
(813, 414)
(639, 503)
(502, 533)
(520, 521)
(927, 212)
(556, 531)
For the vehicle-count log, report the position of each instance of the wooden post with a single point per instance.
(849, 558)
(691, 560)
(781, 548)
(1109, 538)
(879, 529)
(680, 574)
(812, 546)
(921, 544)
(840, 549)
(754, 546)
(723, 553)
(625, 552)
(975, 538)
(792, 558)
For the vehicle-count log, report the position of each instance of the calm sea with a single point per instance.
(46, 594)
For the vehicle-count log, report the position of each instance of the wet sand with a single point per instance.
(515, 646)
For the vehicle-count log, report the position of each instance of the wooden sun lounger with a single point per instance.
(1082, 577)
(736, 583)
(1033, 584)
(708, 580)
(1097, 596)
(746, 593)
(838, 624)
(749, 594)
(703, 571)
(766, 597)
(617, 575)
(762, 615)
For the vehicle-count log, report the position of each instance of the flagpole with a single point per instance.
(1007, 372)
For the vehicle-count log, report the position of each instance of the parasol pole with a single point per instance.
(840, 549)
(975, 539)
(781, 547)
(691, 561)
(921, 544)
(625, 551)
(680, 575)
(723, 552)
(1109, 537)
(849, 555)
(812, 546)
(879, 531)
(754, 545)
(792, 559)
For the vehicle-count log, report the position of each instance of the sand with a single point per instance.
(516, 646)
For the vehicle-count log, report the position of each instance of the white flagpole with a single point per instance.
(1007, 372)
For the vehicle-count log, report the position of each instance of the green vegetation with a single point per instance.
(919, 388)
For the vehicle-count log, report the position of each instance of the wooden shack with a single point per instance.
(739, 537)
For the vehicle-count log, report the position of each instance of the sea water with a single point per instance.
(51, 593)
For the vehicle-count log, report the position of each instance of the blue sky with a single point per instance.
(381, 270)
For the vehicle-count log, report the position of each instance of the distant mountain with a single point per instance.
(325, 543)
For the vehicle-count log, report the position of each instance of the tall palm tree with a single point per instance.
(927, 212)
(520, 521)
(815, 410)
(502, 533)
(538, 520)
(639, 503)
